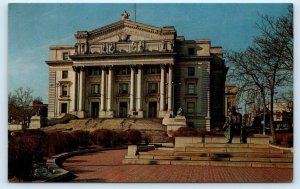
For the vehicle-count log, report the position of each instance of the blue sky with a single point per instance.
(32, 28)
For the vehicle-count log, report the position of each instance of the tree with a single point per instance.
(19, 105)
(268, 63)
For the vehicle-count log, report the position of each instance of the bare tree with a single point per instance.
(19, 105)
(268, 63)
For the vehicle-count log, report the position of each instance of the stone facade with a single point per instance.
(129, 69)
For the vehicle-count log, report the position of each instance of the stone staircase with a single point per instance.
(216, 154)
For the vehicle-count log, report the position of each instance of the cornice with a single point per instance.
(59, 62)
(134, 25)
(121, 55)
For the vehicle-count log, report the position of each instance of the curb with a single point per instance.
(61, 174)
(281, 148)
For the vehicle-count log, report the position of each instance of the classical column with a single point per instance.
(131, 105)
(102, 89)
(170, 87)
(139, 89)
(81, 88)
(162, 87)
(74, 89)
(109, 89)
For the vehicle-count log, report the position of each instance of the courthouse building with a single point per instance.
(130, 69)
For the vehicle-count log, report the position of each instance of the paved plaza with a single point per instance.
(106, 166)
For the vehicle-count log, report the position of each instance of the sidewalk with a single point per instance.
(107, 166)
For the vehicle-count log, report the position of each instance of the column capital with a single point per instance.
(110, 67)
(171, 65)
(81, 68)
(75, 68)
(163, 66)
(132, 66)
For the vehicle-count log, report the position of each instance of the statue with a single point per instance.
(125, 15)
(179, 111)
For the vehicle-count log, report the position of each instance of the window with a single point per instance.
(191, 71)
(95, 89)
(153, 70)
(191, 51)
(123, 88)
(65, 55)
(64, 108)
(94, 71)
(124, 71)
(152, 88)
(64, 89)
(191, 88)
(64, 74)
(191, 107)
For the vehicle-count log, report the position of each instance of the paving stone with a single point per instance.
(197, 158)
(233, 145)
(281, 160)
(199, 149)
(258, 145)
(201, 163)
(172, 157)
(146, 156)
(250, 159)
(107, 166)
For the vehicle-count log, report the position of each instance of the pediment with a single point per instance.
(126, 31)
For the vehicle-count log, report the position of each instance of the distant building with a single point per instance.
(130, 69)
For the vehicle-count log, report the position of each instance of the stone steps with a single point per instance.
(206, 163)
(218, 154)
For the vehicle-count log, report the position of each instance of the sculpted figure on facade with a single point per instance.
(142, 46)
(125, 15)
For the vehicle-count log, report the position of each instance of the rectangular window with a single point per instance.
(153, 70)
(64, 90)
(191, 71)
(191, 107)
(191, 88)
(152, 88)
(191, 51)
(65, 55)
(123, 88)
(124, 71)
(96, 71)
(64, 108)
(64, 74)
(95, 89)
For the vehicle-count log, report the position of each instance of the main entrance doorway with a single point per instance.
(152, 109)
(123, 109)
(95, 109)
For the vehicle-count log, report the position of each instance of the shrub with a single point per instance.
(147, 139)
(285, 139)
(23, 152)
(134, 136)
(37, 132)
(59, 142)
(186, 132)
(102, 137)
(83, 137)
(123, 137)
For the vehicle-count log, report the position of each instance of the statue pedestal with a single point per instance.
(173, 124)
(35, 122)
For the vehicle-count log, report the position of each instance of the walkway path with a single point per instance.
(107, 167)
